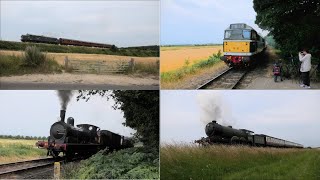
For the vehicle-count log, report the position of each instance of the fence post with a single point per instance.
(131, 64)
(56, 171)
(66, 63)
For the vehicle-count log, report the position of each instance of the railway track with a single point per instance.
(23, 166)
(228, 79)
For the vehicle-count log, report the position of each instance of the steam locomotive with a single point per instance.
(62, 41)
(218, 134)
(241, 45)
(82, 140)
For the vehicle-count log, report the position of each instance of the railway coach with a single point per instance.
(241, 45)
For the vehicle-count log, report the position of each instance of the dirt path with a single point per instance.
(262, 77)
(78, 80)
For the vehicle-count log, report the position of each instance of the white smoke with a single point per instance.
(214, 107)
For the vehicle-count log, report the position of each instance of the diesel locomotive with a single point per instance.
(80, 140)
(62, 41)
(241, 45)
(218, 134)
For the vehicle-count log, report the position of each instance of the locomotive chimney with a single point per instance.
(62, 115)
(214, 121)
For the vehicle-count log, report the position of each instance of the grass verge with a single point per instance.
(146, 68)
(19, 149)
(187, 69)
(132, 163)
(33, 61)
(237, 162)
(152, 51)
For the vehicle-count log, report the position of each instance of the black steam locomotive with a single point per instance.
(62, 41)
(82, 140)
(218, 134)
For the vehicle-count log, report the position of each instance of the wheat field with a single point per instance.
(60, 57)
(173, 58)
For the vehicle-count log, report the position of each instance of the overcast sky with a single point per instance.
(31, 113)
(203, 21)
(123, 23)
(290, 115)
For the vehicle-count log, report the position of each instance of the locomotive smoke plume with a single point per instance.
(64, 96)
(213, 107)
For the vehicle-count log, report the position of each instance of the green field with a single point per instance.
(151, 51)
(236, 162)
(12, 150)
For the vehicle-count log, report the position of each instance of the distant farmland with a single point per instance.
(141, 51)
(174, 57)
(12, 150)
(236, 162)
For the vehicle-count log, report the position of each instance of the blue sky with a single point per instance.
(290, 115)
(202, 21)
(123, 23)
(31, 113)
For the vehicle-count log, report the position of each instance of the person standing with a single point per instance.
(305, 58)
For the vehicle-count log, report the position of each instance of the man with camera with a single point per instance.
(305, 58)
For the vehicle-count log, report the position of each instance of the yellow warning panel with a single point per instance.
(236, 46)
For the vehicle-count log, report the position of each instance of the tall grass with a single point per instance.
(33, 61)
(174, 75)
(15, 150)
(146, 68)
(238, 162)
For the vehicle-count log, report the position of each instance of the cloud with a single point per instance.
(124, 23)
(203, 21)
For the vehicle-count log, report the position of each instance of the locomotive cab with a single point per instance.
(241, 44)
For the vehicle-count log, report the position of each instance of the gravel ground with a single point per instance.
(79, 79)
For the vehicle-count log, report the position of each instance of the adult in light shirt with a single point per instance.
(305, 58)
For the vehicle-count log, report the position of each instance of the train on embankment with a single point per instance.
(62, 41)
(242, 45)
(219, 134)
(81, 140)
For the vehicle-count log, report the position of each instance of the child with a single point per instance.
(277, 71)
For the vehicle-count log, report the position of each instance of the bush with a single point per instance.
(33, 61)
(132, 163)
(33, 57)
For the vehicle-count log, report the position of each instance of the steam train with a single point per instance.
(241, 45)
(82, 140)
(218, 134)
(62, 41)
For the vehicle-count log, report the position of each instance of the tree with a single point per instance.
(140, 108)
(294, 24)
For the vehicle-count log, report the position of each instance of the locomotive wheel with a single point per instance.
(234, 140)
(243, 141)
(54, 154)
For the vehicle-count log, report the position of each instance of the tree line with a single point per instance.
(23, 137)
(294, 24)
